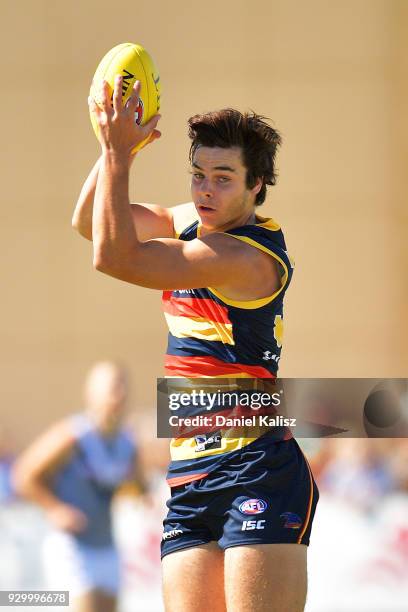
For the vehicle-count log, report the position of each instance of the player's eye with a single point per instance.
(197, 175)
(224, 179)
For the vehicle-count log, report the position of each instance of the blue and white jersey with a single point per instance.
(88, 480)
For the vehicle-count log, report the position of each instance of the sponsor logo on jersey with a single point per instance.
(251, 525)
(267, 356)
(207, 441)
(253, 506)
(173, 533)
(292, 520)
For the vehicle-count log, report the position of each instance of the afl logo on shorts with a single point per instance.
(253, 506)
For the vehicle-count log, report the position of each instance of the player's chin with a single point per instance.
(209, 227)
(208, 218)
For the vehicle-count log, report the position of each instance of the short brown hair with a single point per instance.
(230, 128)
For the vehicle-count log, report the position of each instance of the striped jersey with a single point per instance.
(212, 336)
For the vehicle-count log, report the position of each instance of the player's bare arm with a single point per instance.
(212, 261)
(150, 220)
(35, 467)
(161, 264)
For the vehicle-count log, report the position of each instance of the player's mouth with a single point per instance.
(205, 209)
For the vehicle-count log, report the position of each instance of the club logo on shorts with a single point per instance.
(253, 506)
(292, 521)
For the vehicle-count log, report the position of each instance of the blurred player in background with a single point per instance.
(72, 471)
(241, 509)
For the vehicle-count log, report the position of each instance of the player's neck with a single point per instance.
(248, 218)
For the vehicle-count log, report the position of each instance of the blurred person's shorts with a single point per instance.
(70, 565)
(264, 496)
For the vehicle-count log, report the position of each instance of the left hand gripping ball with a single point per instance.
(133, 63)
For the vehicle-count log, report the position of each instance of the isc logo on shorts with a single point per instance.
(249, 525)
(253, 506)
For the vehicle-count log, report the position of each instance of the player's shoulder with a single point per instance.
(263, 226)
(266, 234)
(61, 433)
(52, 448)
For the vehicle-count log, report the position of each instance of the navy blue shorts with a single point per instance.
(263, 496)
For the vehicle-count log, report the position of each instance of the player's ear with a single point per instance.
(258, 185)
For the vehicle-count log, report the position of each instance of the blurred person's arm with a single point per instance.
(150, 220)
(36, 465)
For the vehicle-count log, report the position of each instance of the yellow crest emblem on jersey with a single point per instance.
(278, 330)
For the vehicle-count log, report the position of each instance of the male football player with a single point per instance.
(241, 508)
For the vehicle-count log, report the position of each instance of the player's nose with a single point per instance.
(206, 188)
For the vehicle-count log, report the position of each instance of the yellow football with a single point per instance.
(133, 63)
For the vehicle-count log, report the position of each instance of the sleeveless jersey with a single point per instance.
(212, 336)
(97, 467)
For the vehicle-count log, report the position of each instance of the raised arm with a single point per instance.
(161, 263)
(150, 220)
(82, 217)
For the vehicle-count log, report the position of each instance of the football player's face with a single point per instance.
(218, 188)
(106, 396)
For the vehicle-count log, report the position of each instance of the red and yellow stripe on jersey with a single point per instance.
(211, 336)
